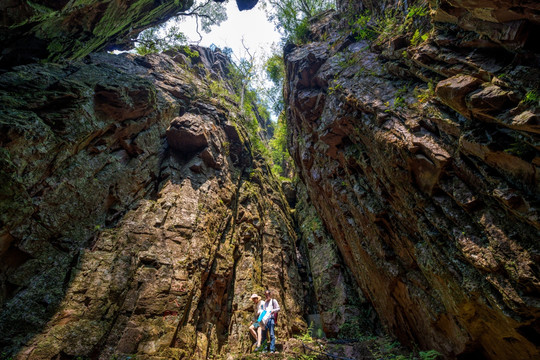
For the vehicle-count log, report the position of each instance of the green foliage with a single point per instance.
(429, 355)
(163, 37)
(520, 148)
(423, 95)
(417, 38)
(306, 337)
(348, 61)
(360, 28)
(350, 329)
(159, 39)
(192, 54)
(39, 8)
(313, 224)
(531, 97)
(399, 101)
(311, 356)
(4, 356)
(209, 13)
(300, 34)
(275, 69)
(335, 88)
(278, 148)
(291, 17)
(416, 11)
(392, 23)
(385, 348)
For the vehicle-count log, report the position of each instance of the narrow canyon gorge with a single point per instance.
(140, 211)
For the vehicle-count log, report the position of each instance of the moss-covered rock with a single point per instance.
(121, 240)
(71, 30)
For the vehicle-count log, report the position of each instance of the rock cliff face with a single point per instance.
(56, 30)
(135, 216)
(343, 310)
(60, 29)
(421, 158)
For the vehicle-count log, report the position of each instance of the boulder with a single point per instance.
(452, 91)
(188, 133)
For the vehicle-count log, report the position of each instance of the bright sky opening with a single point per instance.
(253, 26)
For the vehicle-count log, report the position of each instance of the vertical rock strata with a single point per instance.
(135, 217)
(343, 310)
(430, 195)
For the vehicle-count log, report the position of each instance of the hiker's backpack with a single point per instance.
(275, 313)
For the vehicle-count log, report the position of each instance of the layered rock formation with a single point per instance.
(422, 162)
(136, 218)
(343, 310)
(62, 29)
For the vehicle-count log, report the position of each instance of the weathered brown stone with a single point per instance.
(488, 102)
(154, 252)
(188, 133)
(527, 121)
(453, 91)
(409, 193)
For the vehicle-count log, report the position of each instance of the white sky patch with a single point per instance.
(252, 25)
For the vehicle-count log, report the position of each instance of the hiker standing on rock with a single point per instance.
(271, 307)
(256, 327)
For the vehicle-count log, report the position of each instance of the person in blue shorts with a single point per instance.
(272, 308)
(256, 327)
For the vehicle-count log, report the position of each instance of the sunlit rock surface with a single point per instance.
(135, 217)
(432, 200)
(60, 29)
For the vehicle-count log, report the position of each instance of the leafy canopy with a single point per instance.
(291, 16)
(163, 37)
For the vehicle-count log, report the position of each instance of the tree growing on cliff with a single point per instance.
(291, 17)
(275, 71)
(166, 36)
(281, 160)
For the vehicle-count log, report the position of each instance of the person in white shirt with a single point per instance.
(256, 327)
(272, 308)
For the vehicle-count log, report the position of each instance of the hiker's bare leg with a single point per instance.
(259, 336)
(253, 332)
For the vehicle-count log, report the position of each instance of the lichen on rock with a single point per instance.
(142, 234)
(409, 181)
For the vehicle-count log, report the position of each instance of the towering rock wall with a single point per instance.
(57, 30)
(136, 218)
(342, 309)
(421, 158)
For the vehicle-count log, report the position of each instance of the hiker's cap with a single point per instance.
(254, 296)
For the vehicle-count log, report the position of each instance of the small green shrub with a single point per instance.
(531, 97)
(306, 337)
(335, 88)
(417, 38)
(360, 27)
(423, 95)
(429, 355)
(399, 101)
(190, 53)
(301, 32)
(416, 11)
(392, 23)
